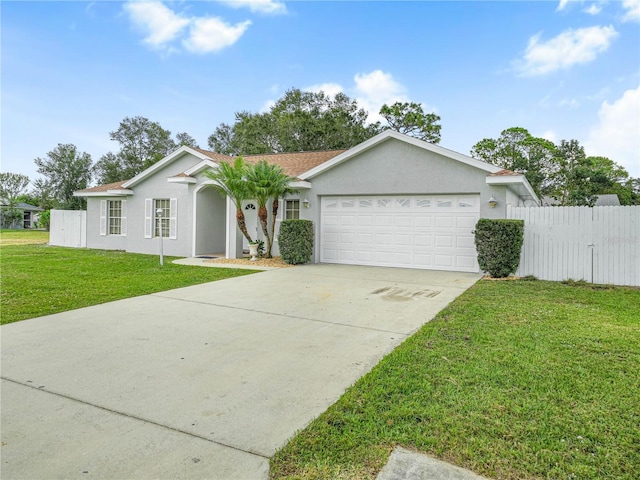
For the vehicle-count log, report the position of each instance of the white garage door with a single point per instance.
(414, 231)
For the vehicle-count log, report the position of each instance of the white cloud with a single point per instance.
(266, 106)
(561, 5)
(593, 9)
(376, 88)
(549, 135)
(371, 90)
(569, 103)
(331, 89)
(162, 26)
(213, 34)
(571, 47)
(617, 134)
(258, 6)
(633, 10)
(160, 23)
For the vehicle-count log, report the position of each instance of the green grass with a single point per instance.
(514, 380)
(40, 280)
(23, 237)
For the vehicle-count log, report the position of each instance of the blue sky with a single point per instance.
(71, 71)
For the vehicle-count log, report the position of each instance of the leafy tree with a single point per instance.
(267, 182)
(299, 121)
(65, 170)
(29, 198)
(230, 181)
(409, 118)
(12, 185)
(516, 149)
(142, 143)
(111, 168)
(580, 179)
(183, 138)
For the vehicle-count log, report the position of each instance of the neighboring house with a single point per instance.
(392, 200)
(607, 200)
(30, 215)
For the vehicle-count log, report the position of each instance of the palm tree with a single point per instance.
(267, 181)
(231, 181)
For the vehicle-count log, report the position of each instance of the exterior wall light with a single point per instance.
(492, 202)
(306, 203)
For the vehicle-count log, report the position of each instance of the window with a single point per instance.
(404, 202)
(366, 203)
(292, 209)
(384, 202)
(161, 222)
(423, 203)
(166, 221)
(115, 217)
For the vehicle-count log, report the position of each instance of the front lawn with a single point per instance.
(40, 280)
(514, 380)
(23, 237)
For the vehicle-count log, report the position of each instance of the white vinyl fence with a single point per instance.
(68, 228)
(595, 244)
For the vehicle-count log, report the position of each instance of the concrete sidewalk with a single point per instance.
(205, 381)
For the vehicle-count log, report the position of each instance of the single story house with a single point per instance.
(392, 200)
(30, 215)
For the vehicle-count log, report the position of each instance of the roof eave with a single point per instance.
(517, 183)
(122, 192)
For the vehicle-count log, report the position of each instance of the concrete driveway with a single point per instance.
(205, 381)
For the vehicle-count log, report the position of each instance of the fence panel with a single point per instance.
(68, 228)
(599, 244)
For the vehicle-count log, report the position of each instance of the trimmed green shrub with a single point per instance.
(296, 241)
(498, 243)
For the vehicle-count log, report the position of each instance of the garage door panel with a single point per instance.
(444, 241)
(465, 242)
(406, 239)
(444, 222)
(422, 240)
(430, 232)
(403, 221)
(423, 221)
(384, 239)
(365, 220)
(466, 222)
(402, 259)
(443, 261)
(366, 240)
(328, 220)
(423, 260)
(465, 262)
(384, 220)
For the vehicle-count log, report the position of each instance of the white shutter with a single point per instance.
(123, 224)
(173, 218)
(148, 217)
(103, 217)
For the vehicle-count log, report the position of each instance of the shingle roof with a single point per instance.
(504, 172)
(104, 188)
(293, 164)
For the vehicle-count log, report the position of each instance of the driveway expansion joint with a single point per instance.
(296, 317)
(144, 420)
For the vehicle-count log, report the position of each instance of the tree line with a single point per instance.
(308, 121)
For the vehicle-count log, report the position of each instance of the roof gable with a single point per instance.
(392, 134)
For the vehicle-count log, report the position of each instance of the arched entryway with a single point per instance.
(210, 226)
